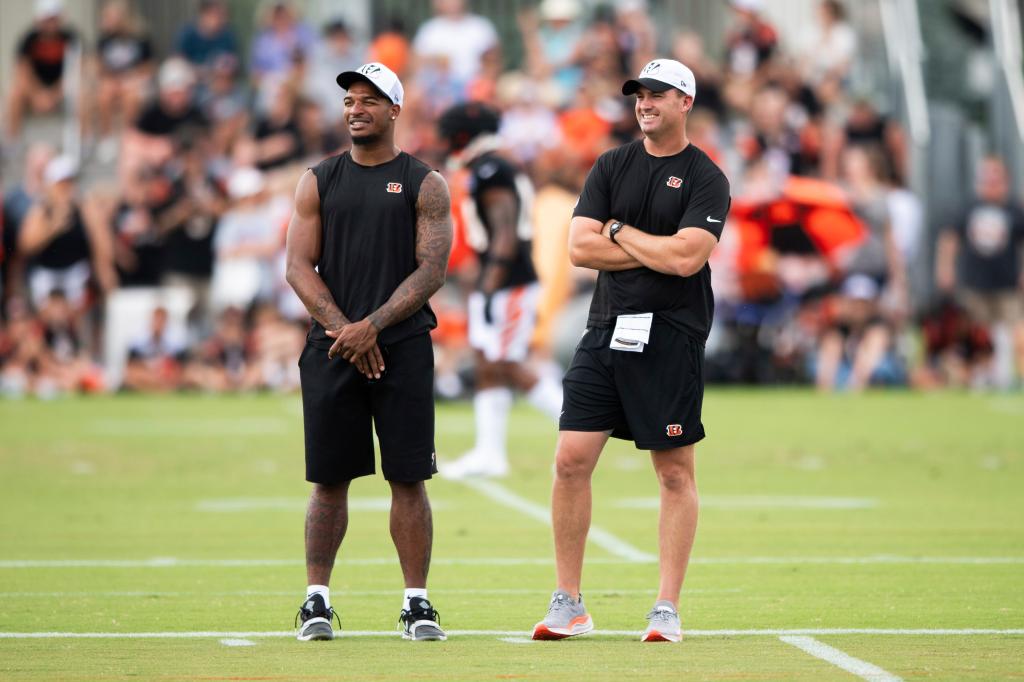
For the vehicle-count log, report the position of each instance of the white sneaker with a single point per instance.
(475, 464)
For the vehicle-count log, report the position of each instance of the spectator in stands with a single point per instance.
(138, 242)
(155, 357)
(21, 351)
(282, 36)
(224, 102)
(124, 65)
(37, 85)
(828, 48)
(222, 361)
(64, 363)
(688, 48)
(275, 343)
(187, 220)
(751, 41)
(390, 47)
(247, 241)
(878, 256)
(17, 203)
(979, 260)
(172, 118)
(852, 352)
(337, 52)
(66, 239)
(278, 140)
(210, 36)
(553, 45)
(454, 41)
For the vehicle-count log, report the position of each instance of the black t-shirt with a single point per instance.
(266, 128)
(659, 195)
(991, 237)
(368, 222)
(489, 171)
(188, 246)
(155, 120)
(45, 53)
(119, 53)
(70, 246)
(137, 233)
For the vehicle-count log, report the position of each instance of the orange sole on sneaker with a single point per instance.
(655, 636)
(543, 632)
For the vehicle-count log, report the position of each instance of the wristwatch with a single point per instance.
(614, 230)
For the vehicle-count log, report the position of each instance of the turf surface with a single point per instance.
(183, 515)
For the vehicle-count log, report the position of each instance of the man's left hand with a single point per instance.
(353, 340)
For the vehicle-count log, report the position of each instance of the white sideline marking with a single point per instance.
(760, 502)
(517, 640)
(597, 535)
(237, 642)
(841, 659)
(346, 593)
(203, 634)
(245, 504)
(175, 562)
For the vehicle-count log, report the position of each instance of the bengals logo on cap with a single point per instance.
(395, 187)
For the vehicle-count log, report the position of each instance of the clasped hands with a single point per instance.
(357, 343)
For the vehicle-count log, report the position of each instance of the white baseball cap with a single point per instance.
(59, 169)
(377, 75)
(660, 75)
(48, 8)
(245, 182)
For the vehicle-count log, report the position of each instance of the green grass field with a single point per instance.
(181, 518)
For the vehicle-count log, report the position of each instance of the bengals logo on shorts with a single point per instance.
(674, 430)
(395, 187)
(674, 182)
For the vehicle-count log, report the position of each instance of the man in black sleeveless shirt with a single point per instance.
(649, 216)
(368, 245)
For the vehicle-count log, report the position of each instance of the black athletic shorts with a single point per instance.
(652, 398)
(338, 404)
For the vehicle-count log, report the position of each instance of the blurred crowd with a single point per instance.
(190, 160)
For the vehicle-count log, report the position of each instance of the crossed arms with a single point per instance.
(357, 341)
(682, 254)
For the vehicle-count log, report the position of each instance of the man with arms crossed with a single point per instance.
(649, 216)
(368, 245)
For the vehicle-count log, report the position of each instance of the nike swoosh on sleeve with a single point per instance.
(712, 220)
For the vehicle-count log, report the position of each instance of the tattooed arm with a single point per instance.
(302, 254)
(433, 244)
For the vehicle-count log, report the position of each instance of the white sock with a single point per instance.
(320, 589)
(546, 396)
(411, 592)
(490, 408)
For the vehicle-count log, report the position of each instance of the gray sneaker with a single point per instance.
(663, 624)
(566, 618)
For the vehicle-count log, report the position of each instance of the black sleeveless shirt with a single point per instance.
(70, 246)
(368, 223)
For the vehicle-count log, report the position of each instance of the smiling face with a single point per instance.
(369, 115)
(661, 114)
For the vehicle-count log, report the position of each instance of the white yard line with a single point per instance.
(600, 537)
(841, 659)
(627, 553)
(760, 502)
(205, 634)
(341, 592)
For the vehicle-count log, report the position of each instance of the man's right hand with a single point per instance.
(369, 363)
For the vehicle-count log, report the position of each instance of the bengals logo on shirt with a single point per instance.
(395, 187)
(674, 182)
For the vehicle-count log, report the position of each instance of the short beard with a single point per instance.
(367, 140)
